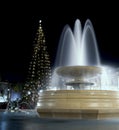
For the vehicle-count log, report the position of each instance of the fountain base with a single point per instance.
(81, 104)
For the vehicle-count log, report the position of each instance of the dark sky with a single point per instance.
(18, 32)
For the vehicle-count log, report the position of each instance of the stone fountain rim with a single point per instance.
(78, 71)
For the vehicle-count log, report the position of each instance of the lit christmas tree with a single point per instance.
(39, 73)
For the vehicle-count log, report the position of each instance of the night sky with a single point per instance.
(105, 26)
(17, 35)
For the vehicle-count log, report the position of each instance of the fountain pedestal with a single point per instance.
(82, 104)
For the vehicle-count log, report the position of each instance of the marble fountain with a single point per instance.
(80, 87)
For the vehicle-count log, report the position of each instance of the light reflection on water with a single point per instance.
(33, 122)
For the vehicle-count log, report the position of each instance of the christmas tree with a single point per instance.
(39, 72)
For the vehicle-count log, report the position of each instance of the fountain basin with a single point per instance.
(78, 71)
(81, 104)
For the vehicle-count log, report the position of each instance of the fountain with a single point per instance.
(77, 88)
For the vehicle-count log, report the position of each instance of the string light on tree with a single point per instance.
(39, 72)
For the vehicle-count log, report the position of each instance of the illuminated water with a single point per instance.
(78, 47)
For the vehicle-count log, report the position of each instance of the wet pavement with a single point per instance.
(31, 121)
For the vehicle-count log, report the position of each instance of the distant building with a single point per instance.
(4, 94)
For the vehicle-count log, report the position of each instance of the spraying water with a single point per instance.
(78, 47)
